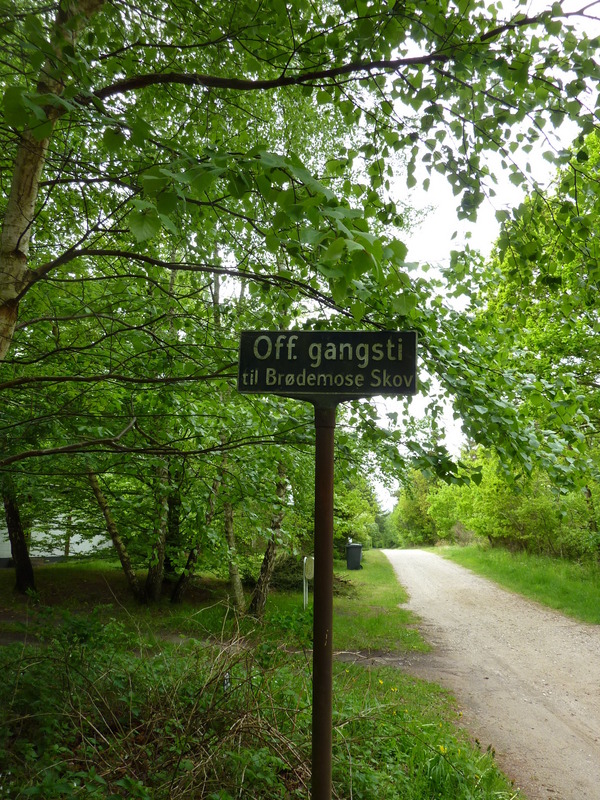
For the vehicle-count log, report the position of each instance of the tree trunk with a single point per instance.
(234, 572)
(188, 570)
(24, 580)
(118, 543)
(19, 214)
(173, 543)
(592, 509)
(261, 590)
(68, 535)
(156, 568)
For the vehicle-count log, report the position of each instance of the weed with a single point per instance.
(95, 709)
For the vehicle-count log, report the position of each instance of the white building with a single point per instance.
(51, 544)
(4, 546)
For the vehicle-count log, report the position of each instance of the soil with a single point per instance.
(526, 679)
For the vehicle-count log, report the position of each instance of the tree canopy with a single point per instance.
(175, 172)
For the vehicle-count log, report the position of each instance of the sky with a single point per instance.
(431, 244)
(441, 232)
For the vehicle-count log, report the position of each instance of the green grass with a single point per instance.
(370, 618)
(121, 702)
(573, 589)
(367, 617)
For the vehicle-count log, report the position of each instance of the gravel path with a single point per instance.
(526, 678)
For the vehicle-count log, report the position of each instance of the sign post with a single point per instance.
(322, 686)
(326, 368)
(308, 573)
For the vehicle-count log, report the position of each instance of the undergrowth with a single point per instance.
(94, 708)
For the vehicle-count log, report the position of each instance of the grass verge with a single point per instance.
(370, 618)
(573, 589)
(111, 703)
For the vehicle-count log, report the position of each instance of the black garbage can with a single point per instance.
(353, 555)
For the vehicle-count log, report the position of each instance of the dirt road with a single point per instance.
(527, 679)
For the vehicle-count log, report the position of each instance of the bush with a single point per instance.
(85, 716)
(287, 573)
(94, 719)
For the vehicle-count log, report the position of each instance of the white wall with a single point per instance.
(4, 544)
(42, 547)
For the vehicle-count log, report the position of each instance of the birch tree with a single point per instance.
(267, 145)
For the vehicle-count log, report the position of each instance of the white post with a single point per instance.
(308, 575)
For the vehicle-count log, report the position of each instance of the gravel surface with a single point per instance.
(527, 679)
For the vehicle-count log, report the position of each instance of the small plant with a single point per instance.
(94, 709)
(293, 627)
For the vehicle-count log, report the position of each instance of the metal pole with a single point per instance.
(322, 718)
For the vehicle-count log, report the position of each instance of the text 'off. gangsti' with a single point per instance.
(339, 363)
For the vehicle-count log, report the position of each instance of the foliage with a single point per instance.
(355, 513)
(410, 516)
(448, 508)
(103, 709)
(174, 173)
(386, 534)
(287, 574)
(525, 514)
(537, 300)
(161, 723)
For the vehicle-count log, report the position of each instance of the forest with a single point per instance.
(175, 173)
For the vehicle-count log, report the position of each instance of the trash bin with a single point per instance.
(353, 555)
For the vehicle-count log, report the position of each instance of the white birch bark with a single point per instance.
(17, 226)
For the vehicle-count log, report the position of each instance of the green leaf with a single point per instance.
(113, 139)
(358, 310)
(404, 303)
(335, 250)
(169, 224)
(396, 251)
(167, 202)
(144, 222)
(43, 130)
(201, 177)
(339, 290)
(14, 107)
(361, 262)
(140, 130)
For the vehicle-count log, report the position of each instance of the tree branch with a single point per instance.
(351, 69)
(16, 383)
(247, 85)
(155, 450)
(79, 447)
(273, 280)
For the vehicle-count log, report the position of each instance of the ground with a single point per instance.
(526, 678)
